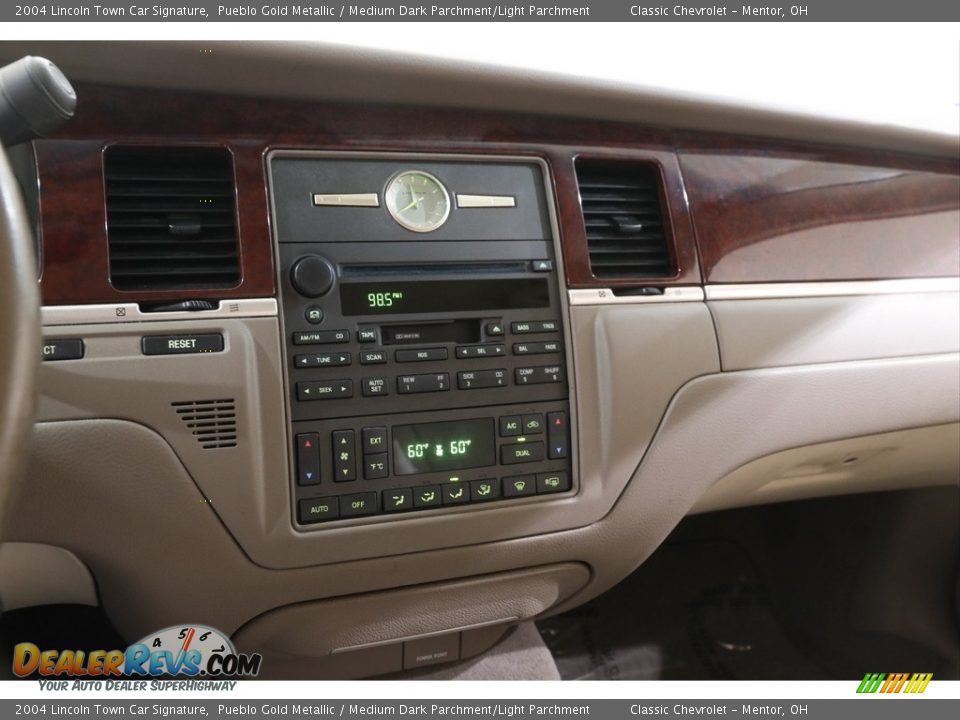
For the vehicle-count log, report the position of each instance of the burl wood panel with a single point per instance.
(763, 211)
(75, 264)
(793, 217)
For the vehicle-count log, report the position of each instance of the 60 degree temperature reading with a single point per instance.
(438, 450)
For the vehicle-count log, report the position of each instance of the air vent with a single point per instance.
(624, 220)
(212, 422)
(171, 218)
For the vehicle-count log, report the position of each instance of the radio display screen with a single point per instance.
(454, 445)
(407, 296)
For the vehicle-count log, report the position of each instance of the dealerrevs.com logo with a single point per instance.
(192, 651)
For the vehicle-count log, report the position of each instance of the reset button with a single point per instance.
(181, 344)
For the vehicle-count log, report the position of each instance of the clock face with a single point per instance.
(417, 201)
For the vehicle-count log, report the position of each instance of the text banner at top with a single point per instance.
(444, 10)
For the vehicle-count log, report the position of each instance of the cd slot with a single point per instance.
(456, 331)
(433, 270)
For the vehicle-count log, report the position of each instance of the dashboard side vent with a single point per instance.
(171, 218)
(624, 219)
(212, 422)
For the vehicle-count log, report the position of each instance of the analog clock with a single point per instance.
(417, 200)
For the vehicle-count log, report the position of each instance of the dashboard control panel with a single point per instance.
(425, 358)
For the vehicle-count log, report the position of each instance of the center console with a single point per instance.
(423, 331)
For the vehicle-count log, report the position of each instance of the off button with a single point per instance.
(181, 344)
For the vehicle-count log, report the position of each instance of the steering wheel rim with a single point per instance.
(19, 331)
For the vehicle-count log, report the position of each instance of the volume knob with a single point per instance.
(312, 276)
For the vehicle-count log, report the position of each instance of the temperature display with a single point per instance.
(431, 447)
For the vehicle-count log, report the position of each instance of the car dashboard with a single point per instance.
(348, 377)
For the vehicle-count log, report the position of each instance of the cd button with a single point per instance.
(478, 379)
(321, 337)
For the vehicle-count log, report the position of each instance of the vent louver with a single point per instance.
(212, 422)
(171, 218)
(624, 220)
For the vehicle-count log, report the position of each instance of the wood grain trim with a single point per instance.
(75, 263)
(729, 184)
(796, 219)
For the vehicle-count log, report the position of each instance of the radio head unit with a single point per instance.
(426, 366)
